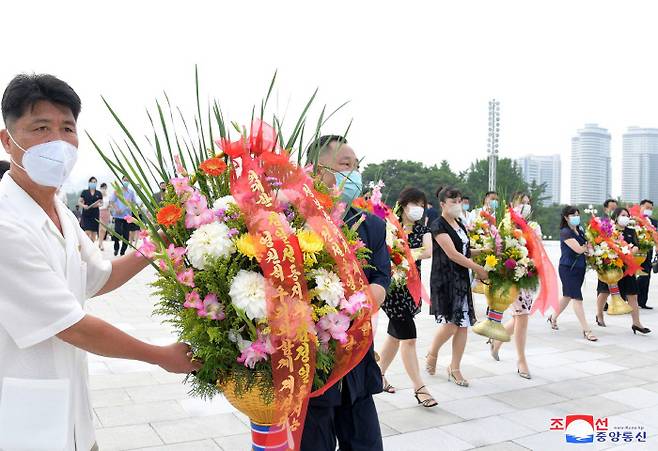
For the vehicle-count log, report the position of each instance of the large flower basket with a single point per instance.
(616, 305)
(498, 299)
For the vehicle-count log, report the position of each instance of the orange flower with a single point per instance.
(360, 203)
(213, 166)
(169, 215)
(619, 263)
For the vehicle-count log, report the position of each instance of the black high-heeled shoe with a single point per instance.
(600, 323)
(642, 330)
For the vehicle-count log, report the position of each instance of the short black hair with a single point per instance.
(409, 195)
(608, 202)
(320, 145)
(448, 192)
(92, 178)
(4, 167)
(488, 193)
(466, 198)
(25, 90)
(646, 201)
(566, 211)
(615, 214)
(103, 185)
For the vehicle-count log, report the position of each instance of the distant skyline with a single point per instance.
(418, 77)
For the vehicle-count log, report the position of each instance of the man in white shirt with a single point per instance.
(49, 267)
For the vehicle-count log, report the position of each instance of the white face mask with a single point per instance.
(48, 164)
(415, 212)
(623, 221)
(524, 210)
(648, 213)
(455, 211)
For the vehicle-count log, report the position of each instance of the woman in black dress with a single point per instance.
(400, 306)
(628, 287)
(90, 202)
(452, 301)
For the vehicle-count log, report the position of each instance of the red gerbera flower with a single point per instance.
(169, 215)
(213, 166)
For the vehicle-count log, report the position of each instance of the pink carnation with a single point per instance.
(510, 263)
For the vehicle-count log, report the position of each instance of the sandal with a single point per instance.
(589, 336)
(388, 388)
(494, 353)
(430, 364)
(553, 323)
(429, 402)
(451, 377)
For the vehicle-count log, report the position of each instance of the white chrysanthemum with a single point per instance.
(248, 294)
(224, 202)
(519, 272)
(329, 288)
(209, 240)
(524, 251)
(391, 234)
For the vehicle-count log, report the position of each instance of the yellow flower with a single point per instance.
(310, 242)
(248, 245)
(491, 261)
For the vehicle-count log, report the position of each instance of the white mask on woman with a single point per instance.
(414, 212)
(623, 221)
(455, 211)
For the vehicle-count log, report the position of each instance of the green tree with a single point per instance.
(508, 179)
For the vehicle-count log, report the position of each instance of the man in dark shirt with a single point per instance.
(602, 290)
(646, 208)
(346, 412)
(432, 214)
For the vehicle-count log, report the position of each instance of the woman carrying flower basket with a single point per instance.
(400, 306)
(572, 268)
(628, 287)
(452, 302)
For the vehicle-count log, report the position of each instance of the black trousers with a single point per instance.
(121, 227)
(643, 289)
(356, 426)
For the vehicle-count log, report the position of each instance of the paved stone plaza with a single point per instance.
(139, 406)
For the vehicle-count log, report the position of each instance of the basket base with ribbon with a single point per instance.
(498, 299)
(616, 305)
(266, 435)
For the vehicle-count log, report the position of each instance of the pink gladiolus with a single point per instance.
(179, 166)
(186, 278)
(356, 246)
(181, 185)
(376, 197)
(193, 300)
(256, 352)
(176, 254)
(211, 308)
(338, 213)
(163, 265)
(129, 219)
(380, 210)
(147, 249)
(143, 234)
(198, 213)
(333, 325)
(510, 263)
(354, 303)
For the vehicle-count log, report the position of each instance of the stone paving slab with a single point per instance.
(138, 406)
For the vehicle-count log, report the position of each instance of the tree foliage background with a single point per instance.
(399, 174)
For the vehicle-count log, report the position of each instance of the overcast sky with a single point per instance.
(418, 74)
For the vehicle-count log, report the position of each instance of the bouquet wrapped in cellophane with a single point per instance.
(256, 269)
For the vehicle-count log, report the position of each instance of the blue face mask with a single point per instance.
(126, 183)
(92, 185)
(466, 207)
(493, 204)
(352, 185)
(574, 221)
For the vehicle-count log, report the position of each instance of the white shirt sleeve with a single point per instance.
(35, 303)
(98, 268)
